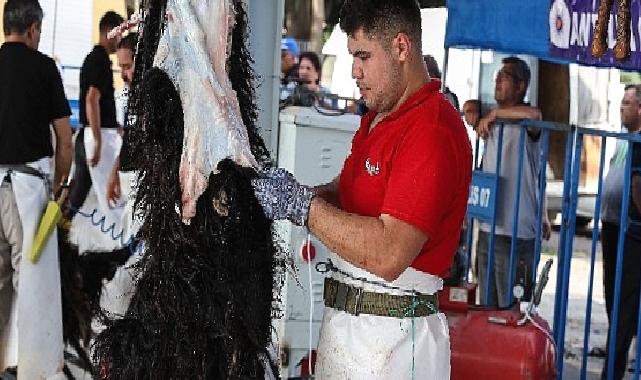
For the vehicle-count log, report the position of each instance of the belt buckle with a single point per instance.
(340, 299)
(357, 301)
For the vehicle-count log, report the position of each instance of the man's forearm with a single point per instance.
(63, 165)
(93, 116)
(360, 240)
(64, 149)
(521, 112)
(329, 192)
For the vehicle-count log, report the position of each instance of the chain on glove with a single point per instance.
(282, 197)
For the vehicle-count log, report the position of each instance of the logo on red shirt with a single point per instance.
(371, 169)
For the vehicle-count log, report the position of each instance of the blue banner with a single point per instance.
(509, 26)
(571, 25)
(555, 30)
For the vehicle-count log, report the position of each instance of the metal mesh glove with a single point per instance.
(282, 197)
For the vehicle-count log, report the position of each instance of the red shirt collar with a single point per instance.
(430, 88)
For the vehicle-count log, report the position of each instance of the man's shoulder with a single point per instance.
(45, 60)
(96, 56)
(436, 121)
(441, 114)
(93, 56)
(33, 55)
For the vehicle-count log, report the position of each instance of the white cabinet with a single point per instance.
(313, 147)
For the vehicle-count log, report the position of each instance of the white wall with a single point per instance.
(71, 40)
(67, 37)
(433, 22)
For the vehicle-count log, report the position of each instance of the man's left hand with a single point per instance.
(113, 188)
(282, 197)
(485, 125)
(547, 229)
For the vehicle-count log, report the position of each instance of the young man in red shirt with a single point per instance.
(392, 218)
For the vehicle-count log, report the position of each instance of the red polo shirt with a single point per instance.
(415, 165)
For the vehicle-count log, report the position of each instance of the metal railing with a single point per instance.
(572, 175)
(489, 216)
(568, 229)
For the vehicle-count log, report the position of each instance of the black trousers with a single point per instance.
(630, 287)
(81, 177)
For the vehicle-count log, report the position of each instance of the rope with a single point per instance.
(410, 312)
(328, 266)
(110, 230)
(311, 303)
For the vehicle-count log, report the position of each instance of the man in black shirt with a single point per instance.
(635, 196)
(125, 54)
(97, 111)
(631, 270)
(31, 98)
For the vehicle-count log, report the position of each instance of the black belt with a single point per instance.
(24, 169)
(355, 300)
(101, 127)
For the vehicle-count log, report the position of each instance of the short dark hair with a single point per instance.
(129, 42)
(475, 102)
(637, 90)
(314, 59)
(19, 15)
(522, 70)
(432, 66)
(109, 21)
(383, 19)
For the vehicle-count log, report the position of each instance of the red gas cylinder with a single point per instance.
(489, 344)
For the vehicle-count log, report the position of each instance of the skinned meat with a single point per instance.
(196, 64)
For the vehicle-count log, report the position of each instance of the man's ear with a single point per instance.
(403, 45)
(32, 30)
(522, 89)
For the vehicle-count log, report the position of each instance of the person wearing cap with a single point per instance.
(288, 60)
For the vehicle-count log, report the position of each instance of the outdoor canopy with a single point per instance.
(555, 30)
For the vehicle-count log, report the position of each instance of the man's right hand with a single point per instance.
(95, 159)
(113, 187)
(282, 197)
(485, 125)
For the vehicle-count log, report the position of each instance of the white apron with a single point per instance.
(116, 294)
(39, 305)
(84, 232)
(373, 347)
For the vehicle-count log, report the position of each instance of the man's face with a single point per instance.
(307, 72)
(471, 113)
(287, 61)
(376, 72)
(630, 109)
(508, 89)
(126, 62)
(113, 44)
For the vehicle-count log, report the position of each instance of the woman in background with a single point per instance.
(309, 75)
